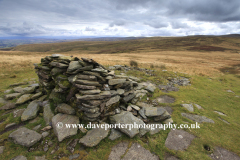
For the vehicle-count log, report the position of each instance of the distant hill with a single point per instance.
(8, 42)
(128, 45)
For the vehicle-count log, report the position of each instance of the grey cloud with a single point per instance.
(178, 25)
(90, 29)
(117, 23)
(157, 24)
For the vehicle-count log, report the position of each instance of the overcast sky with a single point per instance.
(119, 17)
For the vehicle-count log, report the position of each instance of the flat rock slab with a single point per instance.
(1, 149)
(24, 98)
(165, 99)
(2, 101)
(65, 108)
(198, 106)
(150, 87)
(20, 157)
(115, 134)
(25, 137)
(154, 111)
(137, 152)
(189, 107)
(18, 112)
(223, 154)
(178, 139)
(31, 111)
(220, 113)
(118, 150)
(8, 106)
(168, 109)
(127, 118)
(170, 157)
(197, 118)
(59, 127)
(94, 136)
(47, 114)
(12, 96)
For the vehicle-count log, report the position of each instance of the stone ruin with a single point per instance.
(73, 90)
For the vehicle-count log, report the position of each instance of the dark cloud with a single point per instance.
(118, 17)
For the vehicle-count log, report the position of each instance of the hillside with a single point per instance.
(192, 43)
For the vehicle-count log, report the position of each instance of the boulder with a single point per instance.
(65, 108)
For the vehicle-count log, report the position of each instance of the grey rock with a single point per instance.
(168, 109)
(10, 125)
(18, 112)
(113, 100)
(12, 96)
(230, 91)
(120, 91)
(150, 87)
(45, 134)
(135, 107)
(117, 111)
(18, 84)
(90, 92)
(220, 113)
(37, 127)
(29, 90)
(167, 88)
(127, 118)
(115, 134)
(112, 82)
(85, 87)
(118, 150)
(198, 106)
(56, 55)
(156, 129)
(137, 152)
(1, 149)
(18, 90)
(129, 97)
(59, 127)
(24, 98)
(102, 95)
(189, 107)
(8, 105)
(162, 117)
(47, 114)
(197, 118)
(154, 111)
(223, 154)
(25, 137)
(89, 83)
(40, 158)
(170, 157)
(73, 65)
(143, 105)
(129, 108)
(65, 108)
(223, 120)
(94, 137)
(37, 95)
(74, 156)
(86, 77)
(142, 113)
(72, 144)
(7, 91)
(178, 139)
(20, 157)
(31, 111)
(165, 99)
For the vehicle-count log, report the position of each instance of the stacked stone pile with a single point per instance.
(92, 90)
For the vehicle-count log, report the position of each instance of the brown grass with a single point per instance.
(195, 59)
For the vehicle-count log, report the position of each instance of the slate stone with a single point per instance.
(72, 144)
(10, 125)
(142, 113)
(156, 129)
(20, 157)
(40, 158)
(85, 87)
(198, 106)
(1, 149)
(86, 77)
(102, 95)
(115, 134)
(47, 114)
(18, 90)
(150, 87)
(12, 96)
(168, 109)
(170, 157)
(37, 95)
(165, 99)
(112, 82)
(7, 91)
(73, 65)
(113, 100)
(143, 105)
(129, 97)
(8, 105)
(18, 84)
(59, 127)
(197, 118)
(220, 113)
(135, 107)
(118, 150)
(189, 107)
(65, 108)
(162, 117)
(90, 92)
(126, 117)
(37, 127)
(31, 111)
(89, 83)
(223, 154)
(154, 111)
(25, 137)
(94, 137)
(24, 98)
(178, 139)
(45, 134)
(74, 156)
(137, 152)
(18, 112)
